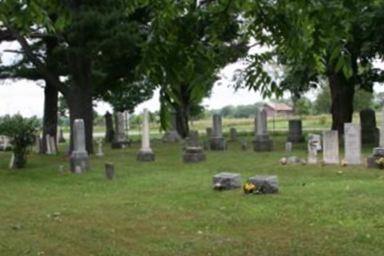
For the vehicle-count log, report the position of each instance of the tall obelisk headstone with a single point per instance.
(331, 147)
(352, 143)
(79, 159)
(109, 131)
(262, 142)
(217, 140)
(145, 154)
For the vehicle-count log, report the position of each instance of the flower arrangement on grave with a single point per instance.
(249, 188)
(380, 162)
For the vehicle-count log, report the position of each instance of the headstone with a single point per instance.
(262, 142)
(145, 154)
(217, 139)
(295, 134)
(38, 148)
(244, 145)
(193, 152)
(109, 131)
(377, 154)
(61, 136)
(53, 145)
(369, 131)
(265, 184)
(172, 135)
(312, 149)
(79, 157)
(208, 131)
(226, 181)
(233, 134)
(352, 144)
(109, 171)
(100, 152)
(316, 140)
(12, 162)
(120, 139)
(331, 147)
(381, 144)
(288, 147)
(49, 145)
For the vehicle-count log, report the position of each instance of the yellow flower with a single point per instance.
(249, 188)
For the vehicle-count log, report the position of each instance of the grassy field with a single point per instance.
(169, 208)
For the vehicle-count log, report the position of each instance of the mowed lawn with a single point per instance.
(169, 208)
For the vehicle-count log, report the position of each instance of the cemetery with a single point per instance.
(191, 128)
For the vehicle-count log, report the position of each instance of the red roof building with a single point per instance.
(278, 109)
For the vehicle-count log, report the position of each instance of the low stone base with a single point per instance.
(295, 138)
(262, 144)
(145, 156)
(226, 181)
(121, 144)
(377, 153)
(194, 155)
(79, 162)
(265, 184)
(218, 144)
(371, 162)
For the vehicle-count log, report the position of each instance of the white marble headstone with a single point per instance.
(331, 147)
(352, 143)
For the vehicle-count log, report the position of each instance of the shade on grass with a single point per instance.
(168, 208)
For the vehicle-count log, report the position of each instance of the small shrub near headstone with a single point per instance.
(21, 132)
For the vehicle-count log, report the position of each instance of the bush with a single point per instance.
(21, 132)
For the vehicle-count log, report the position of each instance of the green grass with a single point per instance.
(169, 208)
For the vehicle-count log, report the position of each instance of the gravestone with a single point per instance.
(145, 154)
(233, 135)
(100, 152)
(79, 159)
(265, 184)
(369, 131)
(109, 171)
(61, 136)
(208, 131)
(378, 153)
(38, 148)
(331, 147)
(295, 134)
(109, 131)
(12, 162)
(288, 147)
(262, 142)
(172, 135)
(217, 139)
(312, 149)
(120, 139)
(352, 143)
(244, 145)
(50, 145)
(193, 152)
(316, 139)
(226, 181)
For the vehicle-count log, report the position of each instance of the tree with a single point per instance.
(21, 132)
(186, 51)
(310, 43)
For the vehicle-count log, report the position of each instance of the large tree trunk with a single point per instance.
(79, 99)
(182, 121)
(342, 93)
(50, 114)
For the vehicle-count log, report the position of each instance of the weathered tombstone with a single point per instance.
(109, 131)
(312, 149)
(233, 135)
(61, 136)
(372, 161)
(226, 181)
(208, 131)
(316, 140)
(295, 134)
(49, 145)
(53, 145)
(193, 152)
(331, 147)
(265, 184)
(369, 131)
(352, 144)
(262, 142)
(100, 152)
(79, 160)
(38, 148)
(244, 145)
(172, 135)
(109, 171)
(288, 147)
(145, 154)
(12, 162)
(217, 139)
(120, 138)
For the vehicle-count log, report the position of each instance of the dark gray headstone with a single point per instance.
(226, 181)
(295, 134)
(369, 131)
(262, 142)
(217, 140)
(109, 131)
(109, 171)
(79, 157)
(193, 152)
(265, 184)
